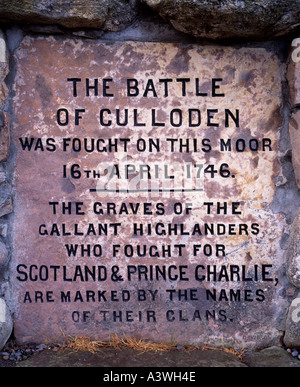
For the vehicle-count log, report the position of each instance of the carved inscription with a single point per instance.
(144, 181)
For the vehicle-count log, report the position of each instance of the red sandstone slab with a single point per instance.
(187, 259)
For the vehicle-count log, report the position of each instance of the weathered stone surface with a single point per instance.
(295, 141)
(6, 207)
(109, 15)
(230, 19)
(3, 52)
(4, 117)
(4, 138)
(209, 19)
(3, 230)
(6, 323)
(292, 330)
(293, 72)
(3, 253)
(271, 357)
(248, 81)
(2, 177)
(130, 358)
(293, 253)
(3, 70)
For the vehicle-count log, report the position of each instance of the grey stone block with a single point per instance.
(6, 323)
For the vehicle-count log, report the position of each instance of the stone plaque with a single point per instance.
(143, 186)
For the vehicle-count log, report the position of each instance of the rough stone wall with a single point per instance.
(129, 20)
(6, 206)
(292, 330)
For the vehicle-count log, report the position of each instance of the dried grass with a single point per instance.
(83, 343)
(239, 353)
(139, 344)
